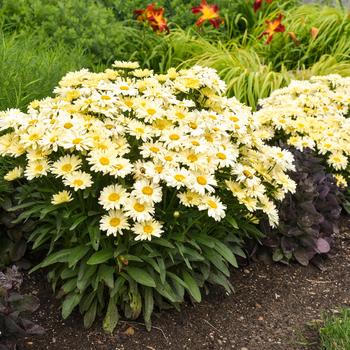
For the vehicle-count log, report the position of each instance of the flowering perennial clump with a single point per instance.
(312, 114)
(130, 135)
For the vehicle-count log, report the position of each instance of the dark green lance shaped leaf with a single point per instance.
(141, 276)
(60, 256)
(226, 253)
(71, 301)
(148, 307)
(77, 254)
(192, 287)
(101, 256)
(112, 316)
(106, 273)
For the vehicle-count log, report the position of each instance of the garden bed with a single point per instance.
(272, 309)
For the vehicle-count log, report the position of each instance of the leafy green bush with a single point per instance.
(76, 23)
(309, 217)
(140, 185)
(31, 65)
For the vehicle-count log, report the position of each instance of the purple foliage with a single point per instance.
(309, 217)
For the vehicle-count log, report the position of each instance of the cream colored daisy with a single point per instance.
(14, 174)
(78, 180)
(37, 168)
(215, 208)
(146, 191)
(114, 222)
(189, 198)
(137, 210)
(66, 165)
(61, 197)
(147, 229)
(113, 197)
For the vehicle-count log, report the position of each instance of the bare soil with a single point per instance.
(274, 308)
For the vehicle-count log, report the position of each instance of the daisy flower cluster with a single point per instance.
(141, 134)
(312, 114)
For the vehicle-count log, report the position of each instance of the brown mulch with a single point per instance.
(270, 310)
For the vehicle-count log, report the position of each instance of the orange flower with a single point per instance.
(154, 16)
(314, 32)
(258, 3)
(209, 13)
(274, 26)
(294, 38)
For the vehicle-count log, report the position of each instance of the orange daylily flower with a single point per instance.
(154, 16)
(258, 4)
(314, 32)
(209, 13)
(294, 38)
(274, 26)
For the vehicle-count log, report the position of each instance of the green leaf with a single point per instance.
(69, 286)
(101, 256)
(90, 315)
(141, 276)
(77, 254)
(77, 222)
(106, 274)
(95, 235)
(60, 256)
(112, 316)
(148, 307)
(192, 287)
(225, 252)
(163, 242)
(161, 269)
(232, 221)
(216, 260)
(85, 275)
(71, 301)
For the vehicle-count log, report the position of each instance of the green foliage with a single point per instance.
(96, 274)
(12, 306)
(86, 24)
(335, 333)
(31, 65)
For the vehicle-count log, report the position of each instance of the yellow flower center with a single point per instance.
(154, 149)
(151, 111)
(140, 130)
(202, 180)
(168, 158)
(212, 204)
(148, 229)
(221, 156)
(174, 137)
(39, 167)
(124, 87)
(209, 138)
(119, 166)
(192, 158)
(67, 125)
(34, 137)
(109, 126)
(234, 119)
(158, 169)
(114, 222)
(193, 125)
(77, 141)
(139, 207)
(105, 97)
(180, 115)
(179, 177)
(247, 173)
(113, 197)
(67, 167)
(104, 161)
(195, 143)
(147, 190)
(78, 182)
